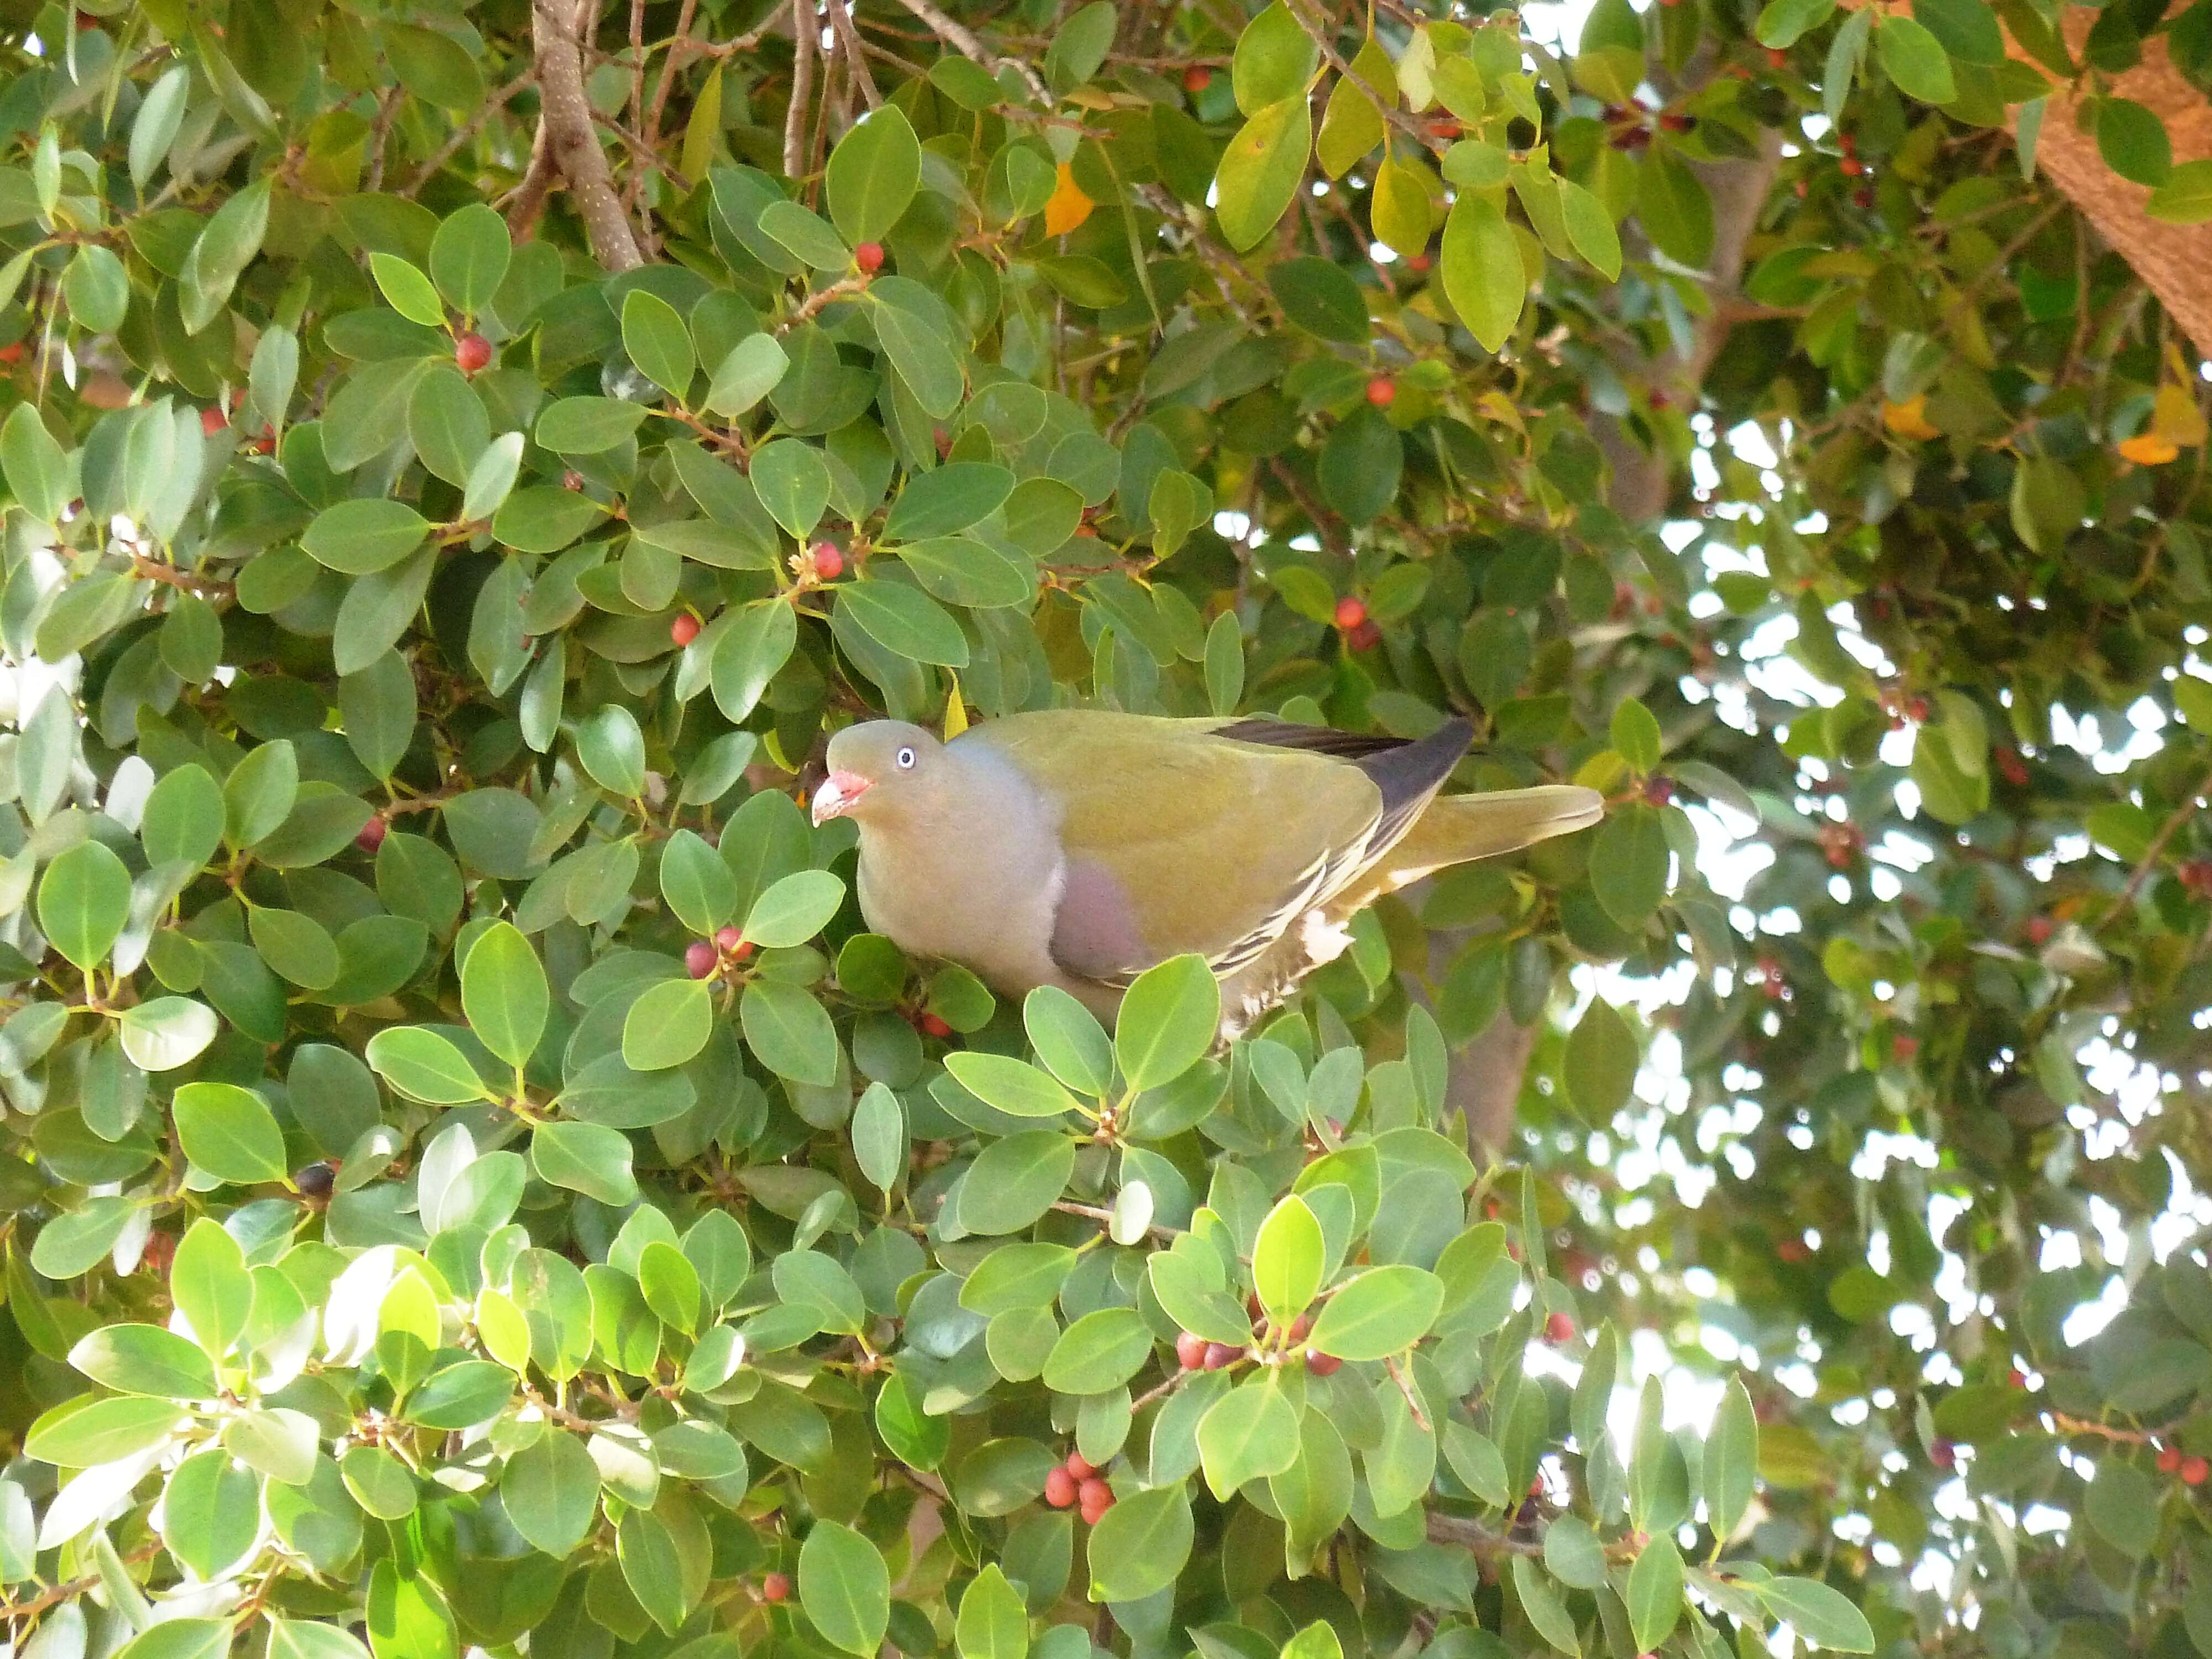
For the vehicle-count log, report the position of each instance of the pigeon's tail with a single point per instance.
(1459, 829)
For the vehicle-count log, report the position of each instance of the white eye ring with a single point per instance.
(906, 760)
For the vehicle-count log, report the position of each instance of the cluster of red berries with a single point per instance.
(2192, 1469)
(1077, 1482)
(705, 957)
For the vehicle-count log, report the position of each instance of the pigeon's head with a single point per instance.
(877, 770)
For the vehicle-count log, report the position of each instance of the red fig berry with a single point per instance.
(372, 835)
(160, 1249)
(1321, 1364)
(776, 1587)
(1850, 166)
(1365, 637)
(212, 421)
(933, 1026)
(1862, 197)
(1847, 142)
(2016, 1378)
(1190, 1350)
(1219, 1356)
(869, 257)
(1197, 78)
(1382, 391)
(2169, 1460)
(684, 629)
(1096, 1497)
(2039, 930)
(315, 1181)
(1943, 1454)
(1060, 1489)
(828, 560)
(2193, 1471)
(1776, 58)
(1301, 1327)
(699, 958)
(1351, 611)
(730, 940)
(12, 352)
(1081, 1467)
(1903, 1046)
(1559, 1327)
(1416, 263)
(470, 352)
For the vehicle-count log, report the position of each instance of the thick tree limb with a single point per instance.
(572, 142)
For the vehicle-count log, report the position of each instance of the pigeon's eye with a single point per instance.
(906, 760)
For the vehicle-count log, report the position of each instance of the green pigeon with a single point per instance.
(1077, 847)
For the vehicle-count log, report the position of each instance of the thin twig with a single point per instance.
(528, 200)
(72, 1587)
(841, 19)
(1413, 1405)
(1389, 106)
(955, 36)
(804, 31)
(2190, 805)
(208, 588)
(678, 48)
(815, 301)
(380, 132)
(468, 130)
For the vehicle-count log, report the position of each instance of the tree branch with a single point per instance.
(572, 144)
(968, 45)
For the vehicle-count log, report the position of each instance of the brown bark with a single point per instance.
(571, 141)
(2174, 261)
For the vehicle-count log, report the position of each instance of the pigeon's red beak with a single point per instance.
(836, 795)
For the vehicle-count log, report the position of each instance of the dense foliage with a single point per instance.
(473, 1180)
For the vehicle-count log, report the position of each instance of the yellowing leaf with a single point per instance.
(2175, 416)
(2149, 449)
(1069, 207)
(956, 711)
(1909, 418)
(1352, 124)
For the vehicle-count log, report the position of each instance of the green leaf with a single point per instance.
(905, 622)
(84, 900)
(469, 256)
(1600, 1063)
(1015, 1180)
(874, 174)
(754, 367)
(1783, 23)
(1915, 60)
(751, 652)
(789, 1032)
(844, 1587)
(1250, 1433)
(1013, 1087)
(210, 1286)
(1099, 1352)
(407, 291)
(504, 993)
(1140, 1545)
(668, 1025)
(1636, 736)
(1675, 209)
(611, 747)
(1823, 1617)
(2185, 198)
(794, 909)
(1483, 275)
(550, 1491)
(792, 482)
(1169, 1020)
(1629, 864)
(424, 1066)
(992, 1622)
(1378, 1313)
(1731, 1461)
(658, 342)
(584, 1158)
(1654, 1592)
(1261, 169)
(82, 1432)
(2133, 141)
(1275, 59)
(1079, 46)
(145, 1360)
(166, 1032)
(1591, 229)
(180, 1638)
(354, 538)
(1288, 1258)
(228, 1133)
(1069, 1040)
(588, 426)
(37, 468)
(948, 501)
(914, 338)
